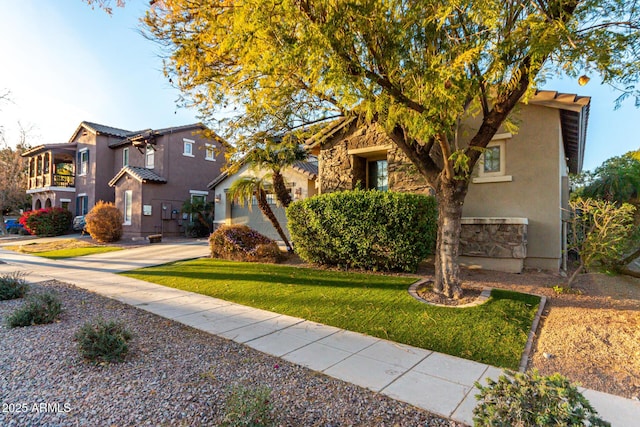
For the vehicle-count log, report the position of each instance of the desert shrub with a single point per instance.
(39, 309)
(47, 222)
(529, 399)
(102, 341)
(104, 222)
(364, 229)
(12, 286)
(240, 243)
(249, 407)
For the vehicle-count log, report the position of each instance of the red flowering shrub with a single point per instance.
(241, 243)
(47, 222)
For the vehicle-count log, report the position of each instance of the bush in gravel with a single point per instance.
(47, 222)
(102, 341)
(104, 222)
(249, 407)
(39, 309)
(241, 243)
(12, 286)
(529, 399)
(373, 230)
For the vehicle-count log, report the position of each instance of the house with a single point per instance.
(147, 174)
(514, 209)
(300, 177)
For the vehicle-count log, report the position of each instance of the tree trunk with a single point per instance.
(280, 188)
(450, 197)
(263, 204)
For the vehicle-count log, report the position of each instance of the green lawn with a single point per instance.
(75, 252)
(494, 333)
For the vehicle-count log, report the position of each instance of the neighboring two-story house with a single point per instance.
(147, 174)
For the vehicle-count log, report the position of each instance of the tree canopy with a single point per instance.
(616, 180)
(416, 67)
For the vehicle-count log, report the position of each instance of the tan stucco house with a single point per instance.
(513, 212)
(147, 174)
(300, 179)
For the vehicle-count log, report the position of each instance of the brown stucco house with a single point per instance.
(513, 212)
(147, 174)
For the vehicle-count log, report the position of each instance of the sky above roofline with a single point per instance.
(65, 63)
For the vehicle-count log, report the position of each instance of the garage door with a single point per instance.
(253, 218)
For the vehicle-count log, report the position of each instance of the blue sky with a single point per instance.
(64, 62)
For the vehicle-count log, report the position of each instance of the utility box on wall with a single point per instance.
(166, 211)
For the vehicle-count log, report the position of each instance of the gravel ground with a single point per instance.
(173, 376)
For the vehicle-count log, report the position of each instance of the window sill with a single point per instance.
(188, 155)
(488, 179)
(126, 223)
(210, 159)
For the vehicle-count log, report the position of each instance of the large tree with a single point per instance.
(13, 177)
(416, 67)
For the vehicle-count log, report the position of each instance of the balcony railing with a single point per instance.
(52, 180)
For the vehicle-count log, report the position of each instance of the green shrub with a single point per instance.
(364, 229)
(39, 309)
(104, 222)
(102, 341)
(241, 243)
(47, 222)
(249, 407)
(12, 286)
(529, 399)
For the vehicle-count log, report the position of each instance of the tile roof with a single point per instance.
(143, 175)
(107, 130)
(308, 167)
(148, 133)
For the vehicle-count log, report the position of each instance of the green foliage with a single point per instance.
(616, 180)
(38, 310)
(102, 341)
(104, 222)
(529, 399)
(12, 286)
(201, 213)
(47, 222)
(600, 232)
(559, 289)
(364, 229)
(240, 243)
(249, 407)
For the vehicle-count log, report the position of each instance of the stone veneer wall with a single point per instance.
(494, 237)
(341, 171)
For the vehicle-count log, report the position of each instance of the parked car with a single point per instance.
(14, 227)
(79, 224)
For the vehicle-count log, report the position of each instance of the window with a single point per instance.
(83, 162)
(377, 176)
(125, 157)
(149, 157)
(82, 205)
(210, 153)
(492, 164)
(188, 147)
(197, 198)
(128, 199)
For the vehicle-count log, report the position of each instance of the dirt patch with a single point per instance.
(54, 245)
(425, 291)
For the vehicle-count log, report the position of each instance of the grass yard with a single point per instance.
(59, 249)
(494, 333)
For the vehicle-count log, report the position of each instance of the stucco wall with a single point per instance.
(532, 159)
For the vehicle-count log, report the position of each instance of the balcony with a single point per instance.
(52, 180)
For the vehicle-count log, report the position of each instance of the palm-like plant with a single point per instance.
(276, 156)
(245, 188)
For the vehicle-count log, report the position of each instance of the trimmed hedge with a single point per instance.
(372, 230)
(47, 222)
(238, 242)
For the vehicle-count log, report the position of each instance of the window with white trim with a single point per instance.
(125, 157)
(83, 162)
(492, 164)
(210, 152)
(149, 157)
(188, 147)
(128, 208)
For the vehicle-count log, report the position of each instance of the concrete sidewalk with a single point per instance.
(436, 382)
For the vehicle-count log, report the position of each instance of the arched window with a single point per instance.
(38, 204)
(47, 204)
